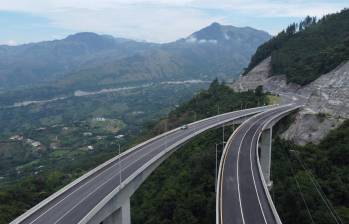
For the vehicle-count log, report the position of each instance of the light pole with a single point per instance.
(218, 118)
(166, 134)
(216, 167)
(215, 186)
(120, 168)
(223, 136)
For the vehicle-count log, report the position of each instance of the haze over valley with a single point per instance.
(172, 117)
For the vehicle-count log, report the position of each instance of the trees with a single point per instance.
(259, 91)
(328, 163)
(182, 189)
(305, 51)
(307, 22)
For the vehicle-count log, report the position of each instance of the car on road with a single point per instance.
(183, 127)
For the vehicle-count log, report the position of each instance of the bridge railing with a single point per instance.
(114, 159)
(265, 187)
(167, 151)
(224, 153)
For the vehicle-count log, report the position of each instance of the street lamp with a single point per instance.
(215, 186)
(216, 167)
(120, 168)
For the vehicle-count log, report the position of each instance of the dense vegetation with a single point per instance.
(15, 198)
(307, 50)
(66, 128)
(133, 107)
(295, 169)
(182, 189)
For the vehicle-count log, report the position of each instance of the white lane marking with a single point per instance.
(254, 182)
(223, 164)
(222, 173)
(193, 130)
(251, 165)
(237, 177)
(105, 182)
(237, 168)
(92, 179)
(137, 152)
(200, 124)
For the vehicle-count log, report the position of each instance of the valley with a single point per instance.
(85, 125)
(75, 103)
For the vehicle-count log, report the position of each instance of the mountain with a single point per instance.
(215, 51)
(305, 51)
(89, 59)
(229, 35)
(38, 63)
(309, 61)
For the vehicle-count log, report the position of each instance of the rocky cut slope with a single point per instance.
(326, 98)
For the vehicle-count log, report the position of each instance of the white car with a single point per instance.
(183, 127)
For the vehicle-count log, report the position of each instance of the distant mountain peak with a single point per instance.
(83, 36)
(216, 33)
(215, 24)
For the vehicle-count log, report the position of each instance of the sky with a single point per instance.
(24, 21)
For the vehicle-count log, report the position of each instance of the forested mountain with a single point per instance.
(305, 51)
(36, 63)
(89, 59)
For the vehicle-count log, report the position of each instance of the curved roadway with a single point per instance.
(73, 203)
(241, 196)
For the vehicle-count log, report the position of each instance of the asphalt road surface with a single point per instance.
(242, 199)
(76, 202)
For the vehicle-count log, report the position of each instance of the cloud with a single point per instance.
(265, 7)
(156, 21)
(9, 43)
(193, 39)
(161, 20)
(158, 24)
(284, 8)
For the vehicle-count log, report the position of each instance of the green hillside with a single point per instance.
(295, 169)
(66, 163)
(181, 190)
(305, 51)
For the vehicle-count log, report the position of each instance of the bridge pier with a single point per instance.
(120, 216)
(265, 154)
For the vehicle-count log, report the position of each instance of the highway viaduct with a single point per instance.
(103, 194)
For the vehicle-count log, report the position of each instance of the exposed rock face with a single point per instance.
(328, 95)
(310, 126)
(330, 92)
(261, 76)
(256, 77)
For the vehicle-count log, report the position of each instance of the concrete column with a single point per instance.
(126, 212)
(265, 154)
(120, 216)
